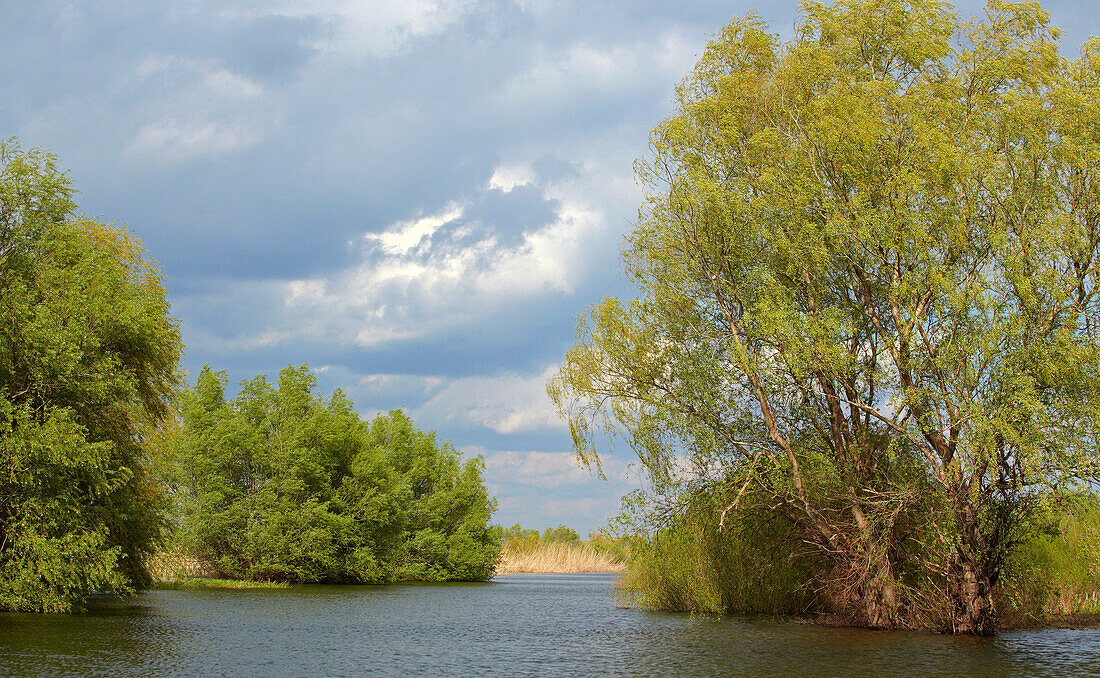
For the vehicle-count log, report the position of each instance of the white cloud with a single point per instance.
(587, 509)
(552, 469)
(385, 382)
(546, 470)
(419, 277)
(505, 404)
(507, 176)
(582, 71)
(404, 236)
(261, 340)
(229, 85)
(203, 111)
(546, 260)
(173, 139)
(373, 28)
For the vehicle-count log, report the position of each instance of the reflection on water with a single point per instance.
(522, 625)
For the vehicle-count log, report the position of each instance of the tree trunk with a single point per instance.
(877, 591)
(880, 600)
(971, 597)
(969, 578)
(863, 592)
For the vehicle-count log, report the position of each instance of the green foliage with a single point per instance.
(869, 274)
(560, 534)
(88, 360)
(520, 538)
(447, 508)
(1056, 568)
(280, 485)
(616, 547)
(517, 532)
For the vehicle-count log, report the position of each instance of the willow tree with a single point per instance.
(88, 362)
(867, 265)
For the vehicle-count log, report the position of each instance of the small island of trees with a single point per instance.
(280, 485)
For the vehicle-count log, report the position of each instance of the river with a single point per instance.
(520, 625)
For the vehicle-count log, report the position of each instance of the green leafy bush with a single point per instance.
(280, 485)
(561, 535)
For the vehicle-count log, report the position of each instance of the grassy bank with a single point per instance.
(195, 584)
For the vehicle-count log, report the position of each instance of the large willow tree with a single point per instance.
(867, 266)
(88, 360)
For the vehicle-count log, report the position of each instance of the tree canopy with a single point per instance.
(867, 265)
(279, 484)
(88, 361)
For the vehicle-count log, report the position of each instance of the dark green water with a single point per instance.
(525, 625)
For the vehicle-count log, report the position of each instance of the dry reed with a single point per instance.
(521, 557)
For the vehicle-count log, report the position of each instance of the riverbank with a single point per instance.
(531, 553)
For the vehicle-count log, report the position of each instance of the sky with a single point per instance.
(418, 199)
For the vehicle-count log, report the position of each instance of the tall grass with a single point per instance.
(758, 566)
(537, 555)
(747, 568)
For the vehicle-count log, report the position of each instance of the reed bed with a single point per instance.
(518, 556)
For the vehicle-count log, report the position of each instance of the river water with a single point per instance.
(520, 625)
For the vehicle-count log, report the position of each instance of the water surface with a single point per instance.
(520, 625)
